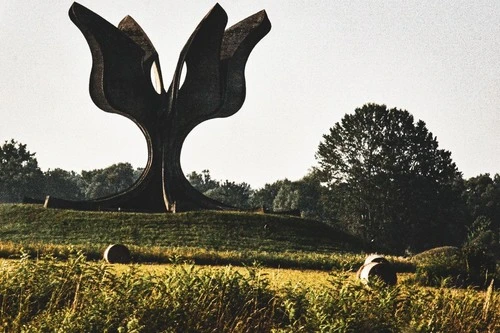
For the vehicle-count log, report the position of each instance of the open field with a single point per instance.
(76, 295)
(278, 277)
(207, 238)
(226, 272)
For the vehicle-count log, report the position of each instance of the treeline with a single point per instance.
(21, 177)
(380, 176)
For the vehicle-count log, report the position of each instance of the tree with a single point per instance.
(264, 197)
(396, 187)
(233, 194)
(20, 175)
(313, 197)
(111, 180)
(203, 182)
(287, 198)
(306, 196)
(482, 195)
(64, 184)
(138, 173)
(481, 250)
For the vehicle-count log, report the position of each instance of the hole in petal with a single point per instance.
(155, 78)
(183, 74)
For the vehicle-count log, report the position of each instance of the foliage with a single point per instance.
(482, 196)
(313, 202)
(63, 184)
(264, 197)
(440, 266)
(77, 296)
(203, 182)
(111, 180)
(20, 175)
(287, 198)
(395, 187)
(471, 265)
(306, 196)
(232, 194)
(481, 252)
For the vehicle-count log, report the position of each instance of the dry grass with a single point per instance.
(279, 278)
(75, 295)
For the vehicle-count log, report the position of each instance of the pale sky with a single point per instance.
(440, 60)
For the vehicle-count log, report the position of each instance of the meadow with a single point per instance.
(217, 238)
(76, 295)
(195, 278)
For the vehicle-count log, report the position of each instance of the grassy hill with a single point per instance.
(241, 236)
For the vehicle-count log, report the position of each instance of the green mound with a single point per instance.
(232, 231)
(437, 253)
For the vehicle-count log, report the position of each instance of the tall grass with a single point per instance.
(47, 295)
(199, 237)
(200, 256)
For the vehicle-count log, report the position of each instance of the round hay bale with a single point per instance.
(117, 254)
(375, 258)
(383, 271)
(371, 258)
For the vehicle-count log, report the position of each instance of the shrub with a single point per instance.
(472, 265)
(480, 252)
(440, 266)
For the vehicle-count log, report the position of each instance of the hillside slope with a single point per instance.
(207, 229)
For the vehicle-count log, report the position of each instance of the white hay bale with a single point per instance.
(375, 258)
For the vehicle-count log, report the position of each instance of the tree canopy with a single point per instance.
(203, 182)
(396, 186)
(64, 184)
(231, 193)
(108, 181)
(482, 195)
(20, 175)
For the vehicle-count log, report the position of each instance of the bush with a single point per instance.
(472, 265)
(480, 252)
(443, 266)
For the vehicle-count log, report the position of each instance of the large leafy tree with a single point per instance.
(264, 197)
(395, 186)
(482, 195)
(203, 182)
(20, 175)
(231, 193)
(312, 197)
(305, 196)
(64, 184)
(108, 181)
(287, 198)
